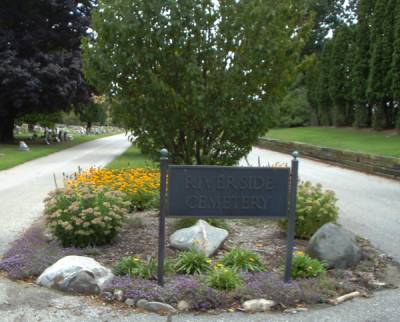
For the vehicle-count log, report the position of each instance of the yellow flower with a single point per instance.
(299, 253)
(251, 259)
(209, 261)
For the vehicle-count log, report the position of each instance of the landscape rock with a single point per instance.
(77, 274)
(201, 236)
(258, 305)
(119, 295)
(83, 283)
(130, 302)
(334, 246)
(183, 306)
(156, 307)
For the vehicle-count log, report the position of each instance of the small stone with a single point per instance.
(142, 303)
(295, 310)
(156, 307)
(258, 305)
(107, 296)
(130, 302)
(119, 295)
(183, 306)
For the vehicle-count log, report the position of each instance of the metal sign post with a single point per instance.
(291, 217)
(161, 226)
(228, 192)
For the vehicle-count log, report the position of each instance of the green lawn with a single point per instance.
(10, 156)
(131, 158)
(364, 141)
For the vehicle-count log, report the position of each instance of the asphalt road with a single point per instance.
(23, 188)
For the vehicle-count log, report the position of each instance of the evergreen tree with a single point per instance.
(362, 117)
(340, 76)
(395, 68)
(379, 85)
(40, 57)
(322, 90)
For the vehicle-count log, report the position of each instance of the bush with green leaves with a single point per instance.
(224, 278)
(243, 260)
(188, 222)
(135, 267)
(85, 215)
(314, 208)
(192, 262)
(304, 266)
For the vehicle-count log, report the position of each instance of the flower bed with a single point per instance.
(140, 185)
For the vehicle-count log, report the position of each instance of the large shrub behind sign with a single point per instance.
(314, 208)
(86, 215)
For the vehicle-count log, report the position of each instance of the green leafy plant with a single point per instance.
(187, 222)
(135, 267)
(85, 215)
(191, 262)
(304, 266)
(314, 208)
(243, 260)
(224, 278)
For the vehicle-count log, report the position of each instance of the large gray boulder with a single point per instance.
(334, 246)
(201, 236)
(76, 274)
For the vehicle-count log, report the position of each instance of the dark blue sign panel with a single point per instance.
(236, 192)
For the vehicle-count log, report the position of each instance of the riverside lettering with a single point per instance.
(231, 183)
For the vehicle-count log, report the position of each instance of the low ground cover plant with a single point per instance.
(239, 259)
(140, 185)
(303, 266)
(85, 215)
(31, 254)
(314, 208)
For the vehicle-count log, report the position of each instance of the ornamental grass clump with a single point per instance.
(243, 260)
(141, 186)
(145, 269)
(85, 215)
(303, 266)
(314, 208)
(224, 278)
(192, 261)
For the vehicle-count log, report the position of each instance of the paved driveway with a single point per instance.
(23, 188)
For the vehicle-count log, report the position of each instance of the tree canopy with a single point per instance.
(40, 58)
(194, 76)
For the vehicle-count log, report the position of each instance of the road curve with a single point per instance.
(23, 188)
(369, 205)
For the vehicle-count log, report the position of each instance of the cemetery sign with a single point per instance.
(227, 192)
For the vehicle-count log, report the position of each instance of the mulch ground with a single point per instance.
(139, 237)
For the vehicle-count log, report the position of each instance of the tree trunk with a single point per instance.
(6, 129)
(88, 127)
